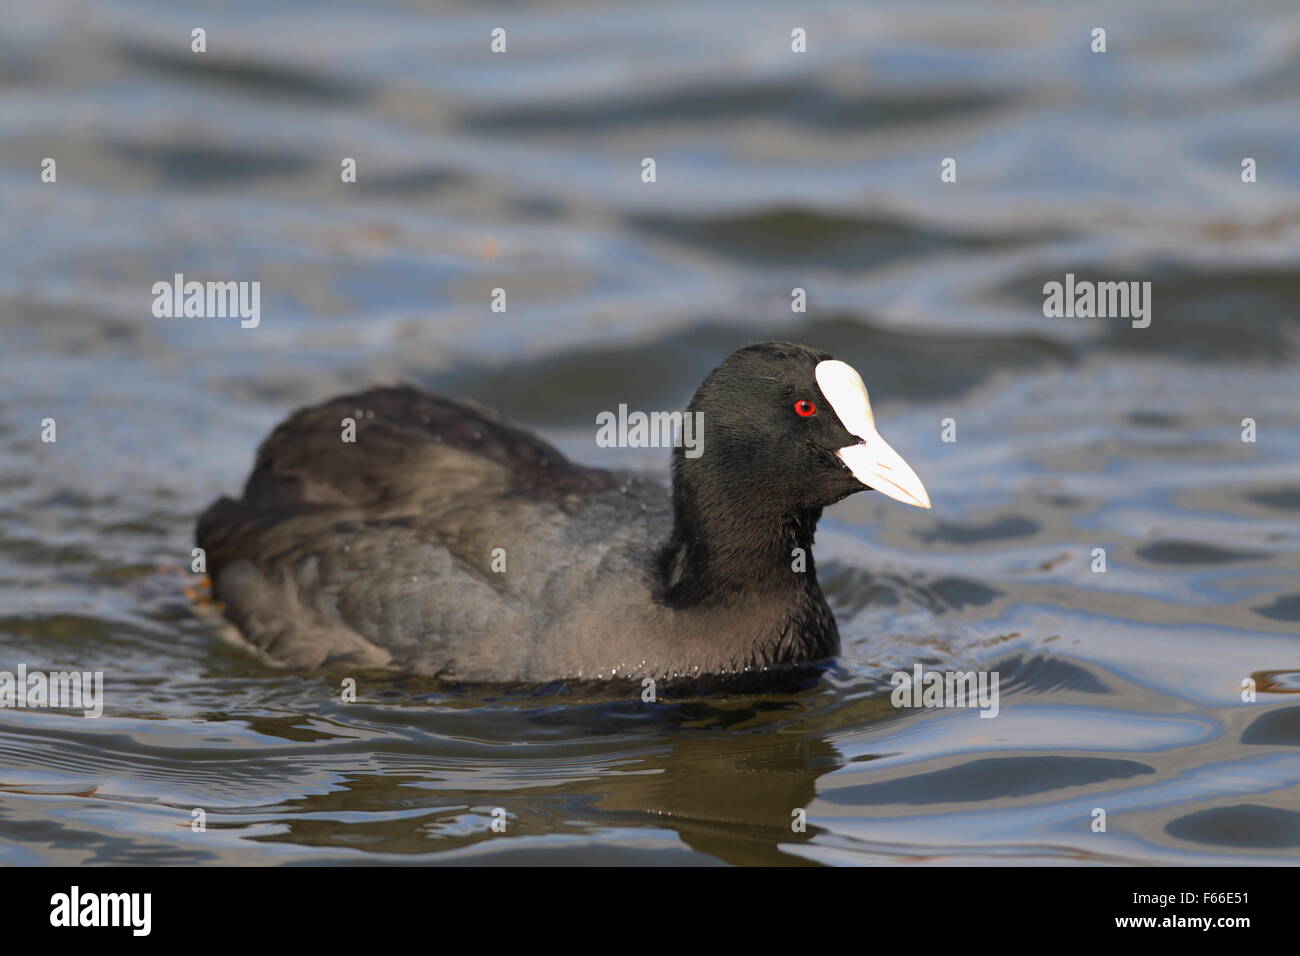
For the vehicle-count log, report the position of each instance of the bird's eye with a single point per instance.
(805, 408)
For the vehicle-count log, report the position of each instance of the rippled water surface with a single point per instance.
(1120, 690)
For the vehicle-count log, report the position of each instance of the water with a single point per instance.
(1119, 690)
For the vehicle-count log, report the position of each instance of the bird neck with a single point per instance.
(722, 550)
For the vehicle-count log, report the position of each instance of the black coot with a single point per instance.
(446, 541)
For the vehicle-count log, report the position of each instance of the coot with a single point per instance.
(445, 541)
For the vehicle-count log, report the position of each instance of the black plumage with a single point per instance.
(380, 552)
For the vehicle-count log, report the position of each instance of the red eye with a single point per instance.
(805, 408)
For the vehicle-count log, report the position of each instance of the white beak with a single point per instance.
(878, 466)
(871, 461)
